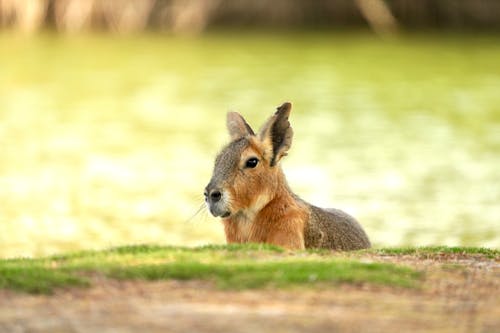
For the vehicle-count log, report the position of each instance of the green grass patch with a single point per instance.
(33, 277)
(434, 251)
(276, 274)
(229, 267)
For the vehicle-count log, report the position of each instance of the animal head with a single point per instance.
(247, 174)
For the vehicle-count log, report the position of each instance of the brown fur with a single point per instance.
(256, 203)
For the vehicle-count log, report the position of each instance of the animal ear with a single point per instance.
(237, 126)
(276, 133)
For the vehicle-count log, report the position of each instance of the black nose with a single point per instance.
(212, 195)
(215, 196)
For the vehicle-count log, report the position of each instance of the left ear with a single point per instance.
(237, 126)
(276, 134)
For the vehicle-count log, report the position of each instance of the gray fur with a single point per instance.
(226, 161)
(224, 173)
(333, 229)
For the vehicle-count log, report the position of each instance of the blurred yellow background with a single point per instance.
(108, 131)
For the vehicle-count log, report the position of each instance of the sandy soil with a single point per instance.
(460, 294)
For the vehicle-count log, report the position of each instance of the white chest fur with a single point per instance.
(245, 219)
(244, 224)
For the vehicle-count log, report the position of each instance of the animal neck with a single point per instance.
(270, 209)
(281, 191)
(277, 197)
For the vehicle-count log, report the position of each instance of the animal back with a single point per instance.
(334, 229)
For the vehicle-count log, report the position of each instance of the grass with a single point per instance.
(35, 278)
(433, 251)
(228, 267)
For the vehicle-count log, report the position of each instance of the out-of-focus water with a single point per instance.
(107, 141)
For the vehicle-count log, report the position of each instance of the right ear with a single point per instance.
(276, 134)
(237, 126)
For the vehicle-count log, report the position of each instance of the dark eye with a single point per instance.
(251, 163)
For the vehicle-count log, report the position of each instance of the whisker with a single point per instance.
(199, 210)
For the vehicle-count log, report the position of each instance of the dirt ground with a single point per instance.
(459, 294)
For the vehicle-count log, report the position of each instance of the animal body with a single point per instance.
(248, 190)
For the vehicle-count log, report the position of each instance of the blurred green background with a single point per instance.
(108, 135)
